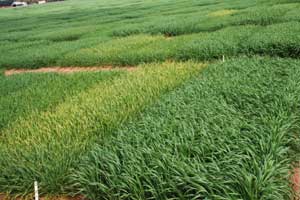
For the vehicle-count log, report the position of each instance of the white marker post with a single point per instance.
(223, 58)
(36, 191)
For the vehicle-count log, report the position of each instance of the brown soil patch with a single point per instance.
(2, 196)
(295, 180)
(77, 197)
(169, 36)
(65, 70)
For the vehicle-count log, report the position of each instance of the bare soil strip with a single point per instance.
(78, 197)
(66, 70)
(296, 182)
(5, 7)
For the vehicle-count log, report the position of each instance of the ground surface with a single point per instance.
(209, 110)
(64, 70)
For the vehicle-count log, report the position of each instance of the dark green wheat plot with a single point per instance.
(230, 133)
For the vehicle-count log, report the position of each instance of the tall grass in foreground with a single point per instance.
(47, 146)
(231, 133)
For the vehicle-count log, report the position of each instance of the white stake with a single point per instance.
(36, 191)
(223, 58)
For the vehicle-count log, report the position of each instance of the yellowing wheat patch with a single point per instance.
(221, 13)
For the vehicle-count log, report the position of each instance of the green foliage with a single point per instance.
(263, 15)
(23, 94)
(123, 51)
(282, 40)
(48, 145)
(211, 20)
(223, 135)
(230, 133)
(275, 40)
(74, 33)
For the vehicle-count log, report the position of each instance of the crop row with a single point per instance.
(275, 40)
(27, 93)
(260, 14)
(68, 34)
(230, 133)
(47, 146)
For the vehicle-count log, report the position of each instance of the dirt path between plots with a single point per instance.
(66, 70)
(296, 182)
(78, 197)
